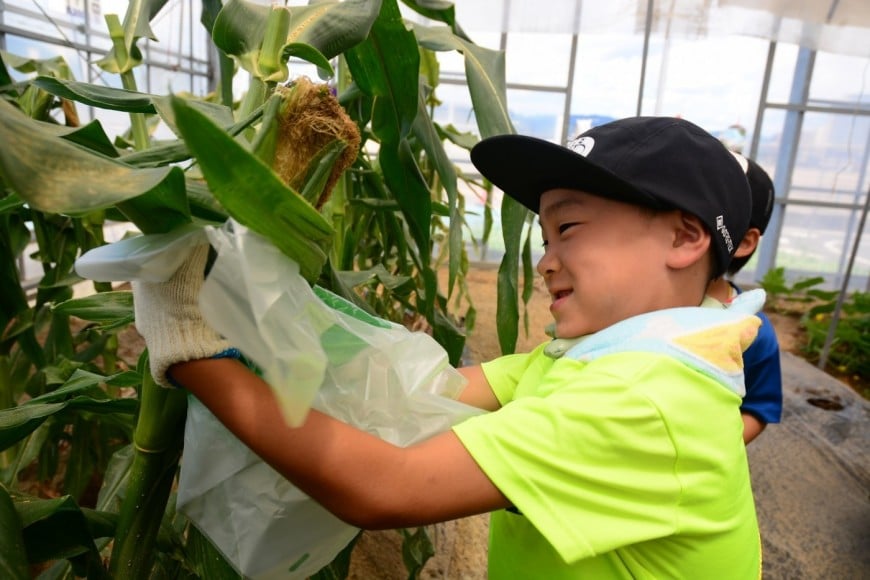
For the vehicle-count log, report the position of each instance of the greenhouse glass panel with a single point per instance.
(455, 108)
(164, 82)
(172, 29)
(712, 81)
(104, 7)
(200, 85)
(51, 15)
(32, 21)
(538, 59)
(770, 140)
(832, 158)
(537, 113)
(818, 241)
(101, 41)
(839, 78)
(606, 76)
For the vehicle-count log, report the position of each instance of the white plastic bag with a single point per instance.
(314, 349)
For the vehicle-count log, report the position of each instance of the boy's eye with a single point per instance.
(566, 226)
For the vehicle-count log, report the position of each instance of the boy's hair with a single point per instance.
(663, 163)
(761, 188)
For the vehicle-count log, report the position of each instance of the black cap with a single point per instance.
(658, 162)
(761, 187)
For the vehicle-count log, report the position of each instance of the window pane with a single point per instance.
(455, 108)
(840, 78)
(607, 74)
(538, 59)
(537, 113)
(832, 158)
(818, 241)
(165, 81)
(714, 81)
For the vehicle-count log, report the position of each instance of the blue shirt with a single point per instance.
(763, 375)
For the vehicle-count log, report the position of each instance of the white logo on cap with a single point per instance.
(720, 226)
(581, 145)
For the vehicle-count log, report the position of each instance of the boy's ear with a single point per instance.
(748, 243)
(691, 241)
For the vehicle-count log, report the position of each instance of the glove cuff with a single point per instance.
(189, 340)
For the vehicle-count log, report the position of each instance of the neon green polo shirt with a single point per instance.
(629, 466)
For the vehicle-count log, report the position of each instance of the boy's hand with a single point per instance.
(168, 318)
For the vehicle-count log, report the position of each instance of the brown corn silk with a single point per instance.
(310, 119)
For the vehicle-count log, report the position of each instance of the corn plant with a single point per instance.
(370, 218)
(814, 306)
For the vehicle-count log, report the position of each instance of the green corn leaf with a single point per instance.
(395, 108)
(90, 136)
(6, 82)
(253, 195)
(219, 114)
(13, 560)
(426, 133)
(485, 71)
(127, 101)
(110, 309)
(310, 54)
(379, 275)
(11, 203)
(207, 561)
(18, 422)
(513, 218)
(97, 96)
(333, 27)
(438, 10)
(55, 66)
(270, 63)
(319, 170)
(53, 528)
(329, 27)
(55, 176)
(125, 55)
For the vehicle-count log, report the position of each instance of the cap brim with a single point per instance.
(525, 167)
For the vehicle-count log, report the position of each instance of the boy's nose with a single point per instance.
(547, 265)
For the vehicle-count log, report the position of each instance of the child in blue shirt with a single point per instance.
(763, 401)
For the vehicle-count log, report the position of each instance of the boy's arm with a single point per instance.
(478, 393)
(752, 427)
(360, 478)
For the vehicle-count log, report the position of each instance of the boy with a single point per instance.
(763, 401)
(614, 451)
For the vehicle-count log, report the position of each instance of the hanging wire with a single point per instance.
(83, 54)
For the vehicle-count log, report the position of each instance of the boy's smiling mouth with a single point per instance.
(559, 295)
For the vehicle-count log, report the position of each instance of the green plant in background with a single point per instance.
(849, 353)
(69, 406)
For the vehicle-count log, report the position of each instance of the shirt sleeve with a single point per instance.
(589, 461)
(504, 373)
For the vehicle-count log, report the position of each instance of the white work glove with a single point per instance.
(169, 319)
